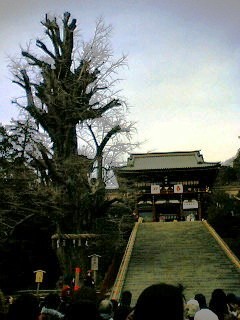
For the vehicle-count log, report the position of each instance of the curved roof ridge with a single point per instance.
(167, 160)
(164, 152)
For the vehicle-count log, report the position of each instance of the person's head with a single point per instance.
(231, 298)
(114, 303)
(82, 307)
(233, 301)
(161, 300)
(191, 307)
(2, 302)
(105, 309)
(9, 299)
(66, 294)
(126, 298)
(218, 296)
(52, 301)
(85, 293)
(89, 273)
(201, 299)
(218, 302)
(26, 307)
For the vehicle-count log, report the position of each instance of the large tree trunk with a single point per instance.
(65, 144)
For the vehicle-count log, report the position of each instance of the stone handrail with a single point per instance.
(118, 285)
(223, 244)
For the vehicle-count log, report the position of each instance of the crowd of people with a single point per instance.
(157, 301)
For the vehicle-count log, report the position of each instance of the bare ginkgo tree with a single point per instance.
(71, 94)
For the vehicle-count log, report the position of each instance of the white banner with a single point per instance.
(178, 188)
(94, 262)
(191, 204)
(155, 188)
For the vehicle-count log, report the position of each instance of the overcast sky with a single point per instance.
(183, 80)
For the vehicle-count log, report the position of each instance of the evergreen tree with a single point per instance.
(236, 165)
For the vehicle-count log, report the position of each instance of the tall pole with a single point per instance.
(153, 209)
(77, 282)
(199, 207)
(38, 286)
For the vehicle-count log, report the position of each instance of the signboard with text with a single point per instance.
(39, 276)
(178, 188)
(94, 261)
(155, 188)
(190, 204)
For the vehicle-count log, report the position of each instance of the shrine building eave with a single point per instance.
(164, 161)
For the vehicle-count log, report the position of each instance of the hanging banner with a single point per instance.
(155, 188)
(178, 188)
(190, 204)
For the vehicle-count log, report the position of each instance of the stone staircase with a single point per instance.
(180, 252)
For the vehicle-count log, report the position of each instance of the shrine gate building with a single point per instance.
(168, 186)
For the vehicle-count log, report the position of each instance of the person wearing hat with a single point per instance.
(191, 307)
(105, 310)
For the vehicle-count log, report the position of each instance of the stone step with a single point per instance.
(181, 252)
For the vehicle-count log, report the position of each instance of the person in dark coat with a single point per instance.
(26, 307)
(84, 304)
(124, 308)
(89, 281)
(50, 309)
(218, 304)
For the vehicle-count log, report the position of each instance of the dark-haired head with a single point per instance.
(82, 307)
(85, 293)
(201, 300)
(52, 301)
(218, 303)
(163, 301)
(126, 298)
(232, 298)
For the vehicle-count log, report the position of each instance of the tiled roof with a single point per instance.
(167, 160)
